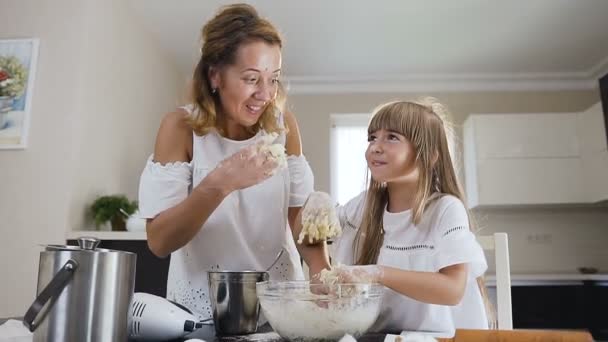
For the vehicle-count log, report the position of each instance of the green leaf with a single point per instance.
(105, 208)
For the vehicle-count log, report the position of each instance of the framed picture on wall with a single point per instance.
(17, 70)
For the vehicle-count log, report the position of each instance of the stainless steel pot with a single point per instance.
(84, 294)
(235, 303)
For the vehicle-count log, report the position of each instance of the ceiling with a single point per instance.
(356, 45)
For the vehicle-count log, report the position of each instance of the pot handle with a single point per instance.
(52, 290)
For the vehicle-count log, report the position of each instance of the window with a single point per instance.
(348, 142)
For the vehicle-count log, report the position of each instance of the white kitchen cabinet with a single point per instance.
(518, 181)
(594, 152)
(500, 136)
(591, 130)
(595, 174)
(522, 159)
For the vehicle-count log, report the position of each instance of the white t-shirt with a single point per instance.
(245, 232)
(442, 238)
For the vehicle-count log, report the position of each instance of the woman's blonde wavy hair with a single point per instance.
(425, 125)
(232, 27)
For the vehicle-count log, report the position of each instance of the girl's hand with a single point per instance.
(317, 286)
(359, 274)
(245, 168)
(319, 219)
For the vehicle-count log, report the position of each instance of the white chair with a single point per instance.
(499, 243)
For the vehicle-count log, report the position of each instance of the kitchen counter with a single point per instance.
(548, 279)
(2, 320)
(106, 235)
(264, 333)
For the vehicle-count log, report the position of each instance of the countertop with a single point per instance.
(264, 333)
(2, 320)
(106, 235)
(547, 279)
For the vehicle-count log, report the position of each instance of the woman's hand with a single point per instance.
(245, 168)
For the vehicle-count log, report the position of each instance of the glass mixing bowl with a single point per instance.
(301, 311)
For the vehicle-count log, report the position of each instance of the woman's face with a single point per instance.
(248, 86)
(391, 157)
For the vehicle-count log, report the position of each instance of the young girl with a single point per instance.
(410, 230)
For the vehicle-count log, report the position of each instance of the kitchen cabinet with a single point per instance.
(558, 301)
(581, 306)
(150, 272)
(522, 159)
(536, 159)
(594, 152)
(523, 136)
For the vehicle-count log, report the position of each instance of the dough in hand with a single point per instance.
(275, 151)
(319, 219)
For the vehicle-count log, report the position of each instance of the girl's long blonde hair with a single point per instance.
(426, 126)
(233, 26)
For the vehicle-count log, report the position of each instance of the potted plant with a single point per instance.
(113, 208)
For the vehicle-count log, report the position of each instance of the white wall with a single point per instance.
(578, 236)
(551, 240)
(130, 83)
(101, 88)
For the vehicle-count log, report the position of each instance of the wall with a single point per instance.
(101, 88)
(551, 240)
(578, 236)
(130, 83)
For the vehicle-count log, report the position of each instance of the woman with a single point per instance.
(212, 198)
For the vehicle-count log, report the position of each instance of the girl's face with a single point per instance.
(391, 158)
(248, 86)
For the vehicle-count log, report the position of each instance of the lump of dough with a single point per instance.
(275, 151)
(319, 219)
